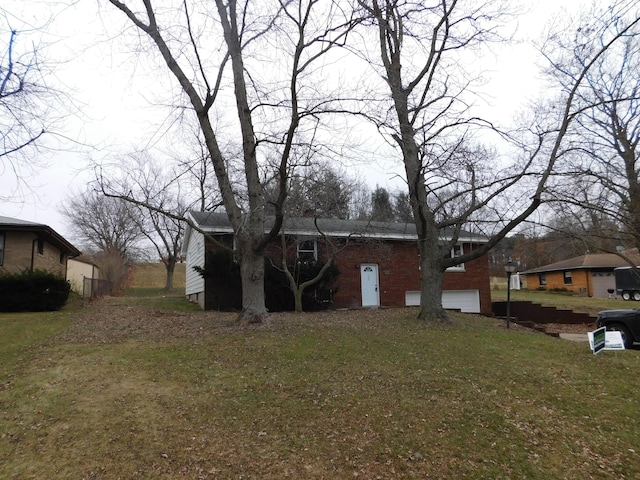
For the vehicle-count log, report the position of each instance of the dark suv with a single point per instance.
(625, 321)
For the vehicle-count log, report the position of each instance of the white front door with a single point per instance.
(369, 281)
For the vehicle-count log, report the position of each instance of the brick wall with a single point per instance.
(398, 272)
(20, 249)
(555, 280)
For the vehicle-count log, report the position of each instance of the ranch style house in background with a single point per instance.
(379, 267)
(590, 275)
(33, 246)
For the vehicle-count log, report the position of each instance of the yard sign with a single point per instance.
(602, 340)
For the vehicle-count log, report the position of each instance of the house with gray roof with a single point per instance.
(378, 268)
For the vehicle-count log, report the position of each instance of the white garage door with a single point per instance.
(601, 282)
(467, 301)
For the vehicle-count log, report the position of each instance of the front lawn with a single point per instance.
(127, 391)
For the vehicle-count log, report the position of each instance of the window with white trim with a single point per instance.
(307, 250)
(568, 278)
(457, 251)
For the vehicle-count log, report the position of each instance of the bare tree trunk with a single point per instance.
(253, 299)
(431, 280)
(427, 228)
(297, 296)
(170, 264)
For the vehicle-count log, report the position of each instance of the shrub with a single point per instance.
(278, 294)
(224, 287)
(36, 291)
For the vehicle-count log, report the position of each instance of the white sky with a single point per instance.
(114, 112)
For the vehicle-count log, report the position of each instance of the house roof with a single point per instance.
(590, 261)
(53, 237)
(217, 222)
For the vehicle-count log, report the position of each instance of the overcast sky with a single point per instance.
(109, 111)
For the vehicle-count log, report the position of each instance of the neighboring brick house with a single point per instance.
(590, 275)
(379, 267)
(33, 246)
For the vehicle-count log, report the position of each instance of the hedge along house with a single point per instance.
(33, 246)
(590, 275)
(378, 267)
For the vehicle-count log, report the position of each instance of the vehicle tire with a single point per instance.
(636, 296)
(627, 339)
(626, 296)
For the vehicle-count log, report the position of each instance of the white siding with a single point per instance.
(195, 257)
(467, 301)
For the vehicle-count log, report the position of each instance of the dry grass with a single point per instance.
(154, 275)
(127, 391)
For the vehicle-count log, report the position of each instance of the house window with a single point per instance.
(62, 258)
(40, 246)
(456, 251)
(1, 248)
(567, 278)
(307, 250)
(543, 279)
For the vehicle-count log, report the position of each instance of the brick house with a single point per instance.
(379, 266)
(590, 275)
(33, 246)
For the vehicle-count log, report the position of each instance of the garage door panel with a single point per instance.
(467, 301)
(601, 282)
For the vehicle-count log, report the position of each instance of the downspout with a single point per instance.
(33, 252)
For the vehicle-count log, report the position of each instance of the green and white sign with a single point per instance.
(597, 340)
(601, 339)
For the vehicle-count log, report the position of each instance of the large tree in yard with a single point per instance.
(261, 60)
(455, 183)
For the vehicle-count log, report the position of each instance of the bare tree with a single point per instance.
(210, 52)
(332, 247)
(104, 224)
(600, 181)
(23, 97)
(193, 163)
(453, 183)
(154, 192)
(109, 228)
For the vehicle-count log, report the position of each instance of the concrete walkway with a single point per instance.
(575, 337)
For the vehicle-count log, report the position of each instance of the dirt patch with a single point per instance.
(568, 328)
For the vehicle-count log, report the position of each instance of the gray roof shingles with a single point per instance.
(219, 223)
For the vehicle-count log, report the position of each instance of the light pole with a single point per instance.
(509, 268)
